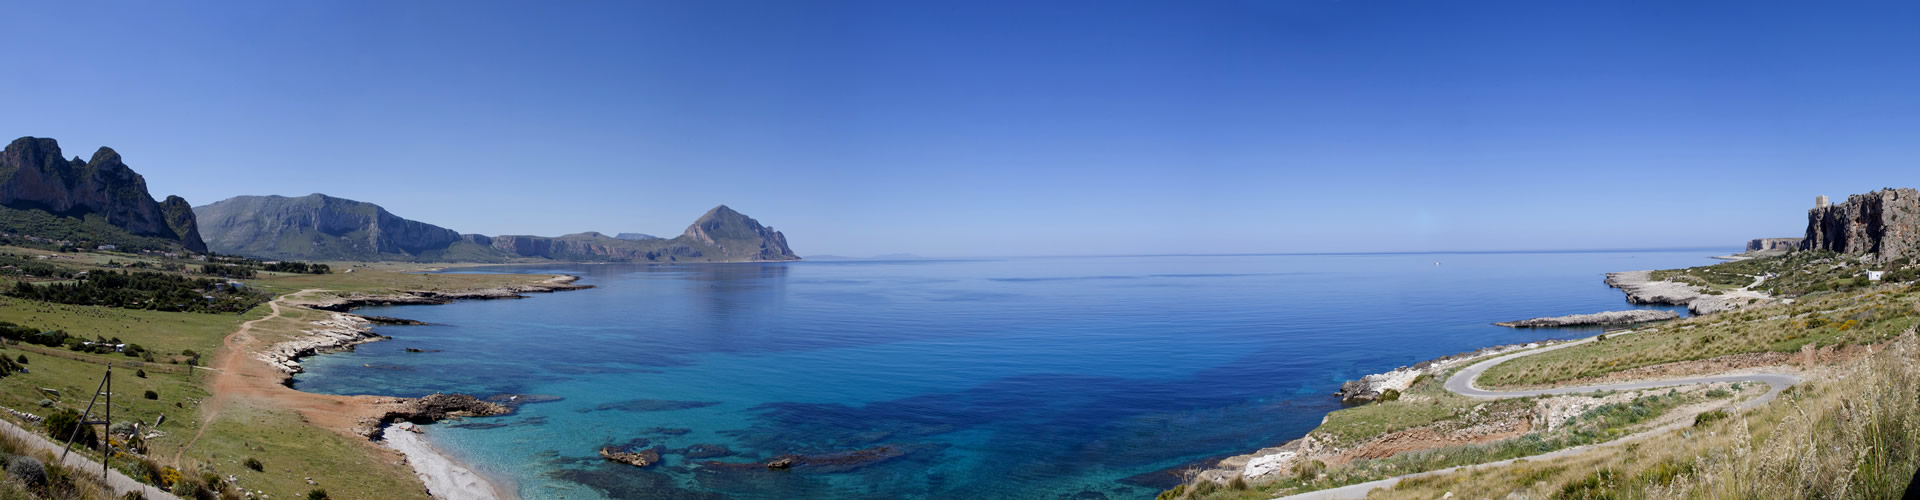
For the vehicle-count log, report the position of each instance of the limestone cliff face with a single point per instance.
(180, 217)
(721, 235)
(1765, 244)
(34, 176)
(317, 227)
(737, 236)
(1884, 224)
(321, 227)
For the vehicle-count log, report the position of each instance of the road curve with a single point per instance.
(1462, 382)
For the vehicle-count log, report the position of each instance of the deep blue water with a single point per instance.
(1007, 378)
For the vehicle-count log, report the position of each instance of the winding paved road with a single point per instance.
(1462, 382)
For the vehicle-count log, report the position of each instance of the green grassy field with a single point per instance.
(289, 449)
(1832, 319)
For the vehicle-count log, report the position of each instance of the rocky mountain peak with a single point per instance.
(34, 175)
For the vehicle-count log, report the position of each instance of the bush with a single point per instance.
(254, 463)
(22, 359)
(153, 395)
(317, 494)
(28, 470)
(1309, 470)
(62, 424)
(140, 373)
(1705, 418)
(1390, 395)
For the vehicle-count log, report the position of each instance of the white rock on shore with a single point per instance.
(1595, 319)
(1370, 387)
(1641, 288)
(340, 331)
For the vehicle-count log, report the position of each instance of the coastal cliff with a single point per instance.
(317, 227)
(1884, 225)
(35, 177)
(1773, 244)
(321, 227)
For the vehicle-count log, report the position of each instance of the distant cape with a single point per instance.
(321, 227)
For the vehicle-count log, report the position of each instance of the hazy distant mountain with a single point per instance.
(99, 200)
(321, 227)
(721, 235)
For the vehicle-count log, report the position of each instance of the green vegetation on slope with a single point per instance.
(90, 231)
(1824, 320)
(144, 290)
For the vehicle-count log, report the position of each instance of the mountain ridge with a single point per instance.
(322, 227)
(35, 176)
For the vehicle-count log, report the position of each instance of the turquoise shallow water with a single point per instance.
(1076, 378)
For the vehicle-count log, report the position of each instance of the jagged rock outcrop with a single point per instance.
(1884, 224)
(34, 176)
(180, 217)
(1770, 244)
(1595, 319)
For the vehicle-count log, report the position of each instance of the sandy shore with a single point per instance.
(252, 371)
(444, 476)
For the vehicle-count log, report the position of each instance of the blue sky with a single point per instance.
(1020, 128)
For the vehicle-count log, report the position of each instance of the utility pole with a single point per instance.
(106, 444)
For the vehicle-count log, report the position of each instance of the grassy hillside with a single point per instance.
(1849, 431)
(89, 231)
(288, 449)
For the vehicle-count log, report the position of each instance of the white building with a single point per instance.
(1875, 275)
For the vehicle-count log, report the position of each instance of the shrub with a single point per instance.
(22, 359)
(62, 424)
(321, 494)
(1390, 395)
(1238, 483)
(1705, 418)
(254, 463)
(1309, 470)
(28, 470)
(140, 373)
(152, 395)
(1718, 393)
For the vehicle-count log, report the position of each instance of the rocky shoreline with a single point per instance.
(1641, 288)
(1595, 319)
(424, 297)
(340, 332)
(1371, 387)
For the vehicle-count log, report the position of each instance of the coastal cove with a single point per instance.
(1008, 378)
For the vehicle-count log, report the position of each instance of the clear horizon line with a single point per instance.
(1258, 254)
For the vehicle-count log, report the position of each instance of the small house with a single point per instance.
(1875, 275)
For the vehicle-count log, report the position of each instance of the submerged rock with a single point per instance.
(641, 459)
(1595, 319)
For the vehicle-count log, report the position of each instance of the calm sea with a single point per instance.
(1079, 378)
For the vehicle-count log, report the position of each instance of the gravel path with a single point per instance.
(1462, 383)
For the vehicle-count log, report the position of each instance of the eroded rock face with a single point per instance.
(1884, 224)
(34, 176)
(1766, 244)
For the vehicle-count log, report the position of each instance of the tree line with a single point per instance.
(144, 290)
